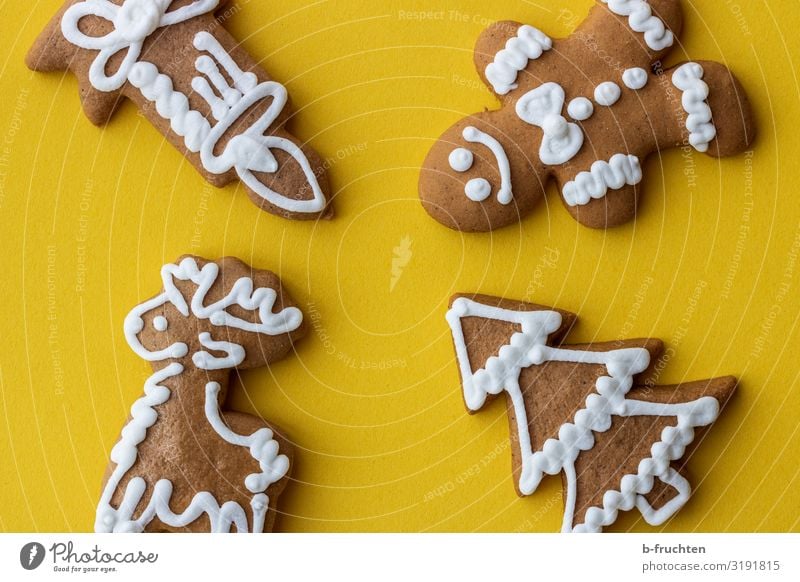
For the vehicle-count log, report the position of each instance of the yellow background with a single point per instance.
(372, 397)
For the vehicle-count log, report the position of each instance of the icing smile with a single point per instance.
(479, 189)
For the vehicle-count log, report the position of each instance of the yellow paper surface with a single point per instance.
(372, 397)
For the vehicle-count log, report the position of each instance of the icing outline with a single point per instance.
(527, 348)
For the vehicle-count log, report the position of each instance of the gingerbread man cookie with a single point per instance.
(584, 111)
(193, 81)
(182, 463)
(590, 412)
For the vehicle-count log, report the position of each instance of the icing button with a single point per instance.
(580, 109)
(606, 94)
(635, 78)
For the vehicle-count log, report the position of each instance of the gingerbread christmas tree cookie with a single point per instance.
(583, 111)
(591, 412)
(183, 462)
(193, 81)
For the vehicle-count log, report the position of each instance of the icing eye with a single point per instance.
(478, 189)
(460, 159)
(635, 78)
(606, 94)
(160, 323)
(580, 109)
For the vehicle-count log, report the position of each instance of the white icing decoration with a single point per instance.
(461, 159)
(641, 19)
(606, 94)
(635, 78)
(171, 105)
(619, 171)
(580, 109)
(477, 187)
(261, 445)
(689, 79)
(133, 22)
(542, 107)
(246, 152)
(234, 354)
(528, 348)
(528, 44)
(160, 323)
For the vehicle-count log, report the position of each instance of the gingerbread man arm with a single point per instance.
(699, 105)
(196, 85)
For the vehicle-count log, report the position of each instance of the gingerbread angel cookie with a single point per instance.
(584, 111)
(588, 412)
(182, 462)
(192, 80)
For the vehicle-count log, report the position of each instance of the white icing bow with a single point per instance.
(542, 107)
(133, 21)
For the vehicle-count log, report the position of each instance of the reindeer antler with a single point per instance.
(242, 294)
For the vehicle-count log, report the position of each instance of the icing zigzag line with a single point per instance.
(621, 170)
(641, 19)
(528, 45)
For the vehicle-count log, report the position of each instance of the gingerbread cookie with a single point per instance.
(182, 463)
(591, 412)
(193, 81)
(585, 111)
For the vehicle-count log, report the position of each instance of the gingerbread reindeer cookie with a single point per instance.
(182, 462)
(584, 111)
(589, 412)
(193, 81)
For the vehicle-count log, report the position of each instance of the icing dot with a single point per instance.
(635, 78)
(461, 159)
(478, 189)
(160, 323)
(606, 94)
(580, 109)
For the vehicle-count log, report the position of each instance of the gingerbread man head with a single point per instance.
(585, 111)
